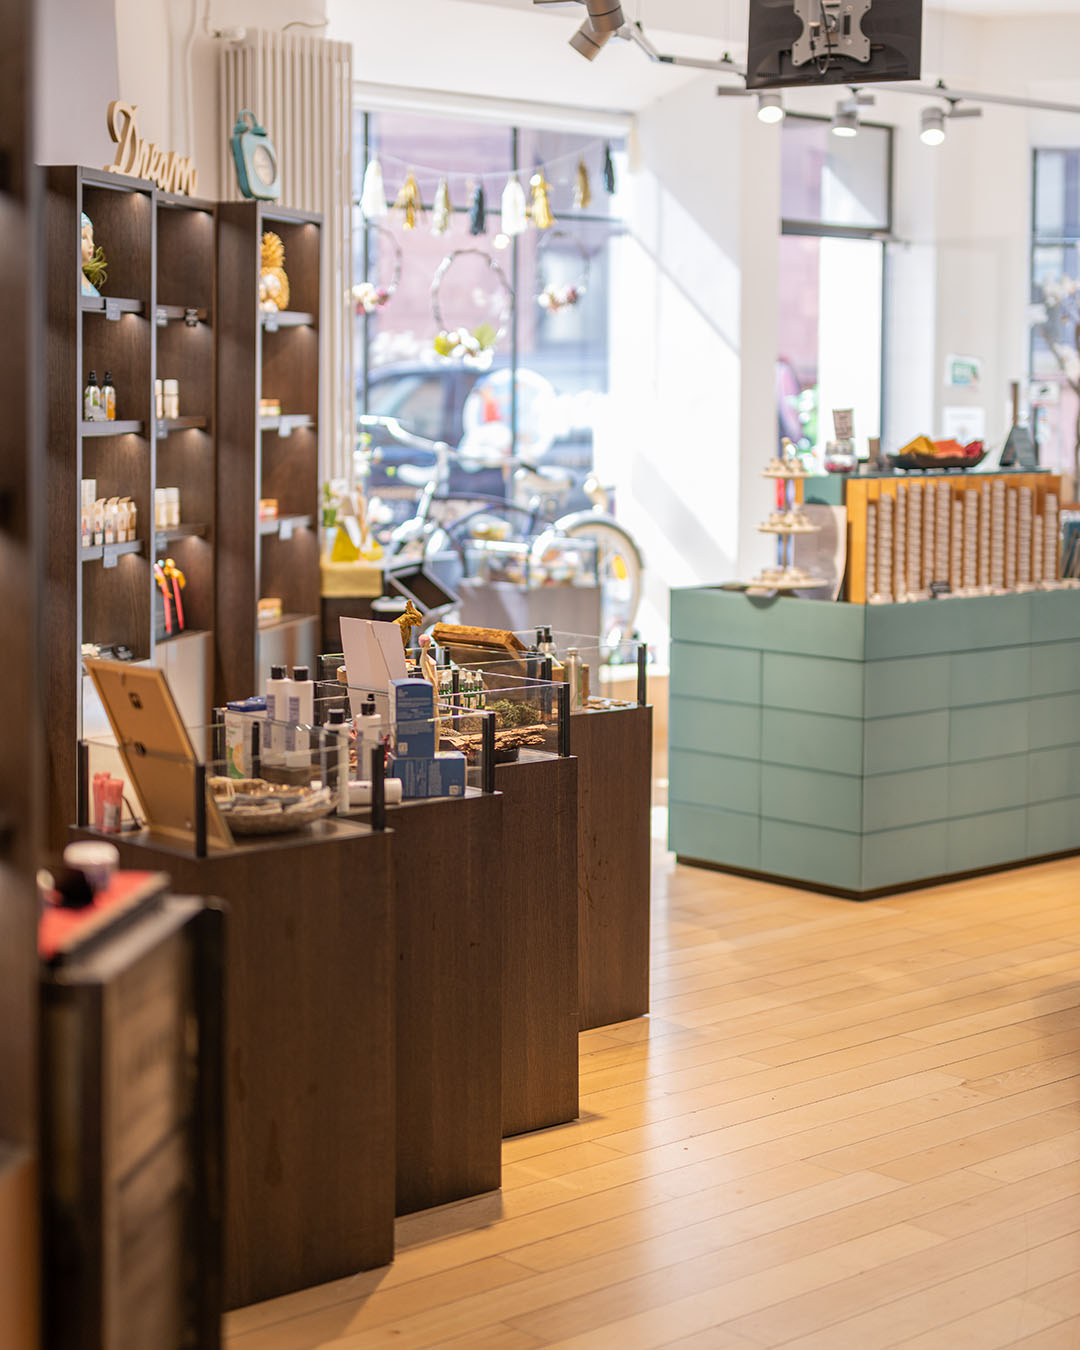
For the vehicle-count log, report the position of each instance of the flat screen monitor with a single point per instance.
(851, 42)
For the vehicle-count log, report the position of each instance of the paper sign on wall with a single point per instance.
(963, 424)
(963, 372)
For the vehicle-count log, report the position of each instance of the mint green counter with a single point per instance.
(864, 748)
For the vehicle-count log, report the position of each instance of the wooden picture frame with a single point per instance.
(159, 758)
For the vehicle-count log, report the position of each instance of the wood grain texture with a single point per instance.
(309, 1134)
(540, 939)
(22, 594)
(725, 1188)
(614, 753)
(452, 900)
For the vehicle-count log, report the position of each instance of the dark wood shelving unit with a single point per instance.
(267, 356)
(286, 318)
(165, 426)
(22, 599)
(114, 428)
(108, 553)
(161, 256)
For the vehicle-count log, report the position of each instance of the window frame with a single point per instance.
(366, 150)
(882, 235)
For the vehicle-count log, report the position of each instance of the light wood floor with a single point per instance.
(844, 1127)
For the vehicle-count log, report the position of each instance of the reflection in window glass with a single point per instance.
(1055, 257)
(562, 350)
(832, 180)
(830, 348)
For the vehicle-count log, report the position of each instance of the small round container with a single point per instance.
(95, 859)
(840, 457)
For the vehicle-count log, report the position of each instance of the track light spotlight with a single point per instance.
(770, 108)
(588, 41)
(933, 126)
(846, 119)
(605, 16)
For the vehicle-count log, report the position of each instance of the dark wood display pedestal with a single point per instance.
(614, 754)
(538, 861)
(452, 894)
(309, 1106)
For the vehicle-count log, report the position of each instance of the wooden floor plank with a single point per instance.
(843, 1126)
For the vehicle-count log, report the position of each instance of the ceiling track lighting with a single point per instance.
(845, 122)
(932, 126)
(589, 43)
(770, 108)
(605, 16)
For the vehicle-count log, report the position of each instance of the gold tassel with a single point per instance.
(542, 216)
(582, 187)
(409, 201)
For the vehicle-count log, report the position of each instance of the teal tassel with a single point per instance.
(478, 212)
(609, 170)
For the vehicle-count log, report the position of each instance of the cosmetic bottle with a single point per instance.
(337, 769)
(547, 644)
(301, 713)
(159, 399)
(277, 710)
(573, 677)
(171, 398)
(114, 805)
(370, 732)
(538, 645)
(108, 398)
(92, 410)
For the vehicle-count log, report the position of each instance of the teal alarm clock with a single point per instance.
(256, 159)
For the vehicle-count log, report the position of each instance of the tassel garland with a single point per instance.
(442, 212)
(609, 170)
(542, 215)
(582, 187)
(515, 210)
(478, 212)
(408, 200)
(373, 197)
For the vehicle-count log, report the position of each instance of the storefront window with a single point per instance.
(541, 392)
(1055, 275)
(835, 197)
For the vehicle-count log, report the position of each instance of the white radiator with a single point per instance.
(300, 89)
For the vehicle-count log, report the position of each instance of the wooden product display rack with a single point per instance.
(267, 355)
(155, 319)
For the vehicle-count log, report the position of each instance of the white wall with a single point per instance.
(92, 51)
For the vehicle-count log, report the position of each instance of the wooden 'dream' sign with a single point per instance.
(168, 169)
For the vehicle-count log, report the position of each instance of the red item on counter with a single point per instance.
(62, 931)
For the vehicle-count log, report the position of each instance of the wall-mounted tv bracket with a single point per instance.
(831, 28)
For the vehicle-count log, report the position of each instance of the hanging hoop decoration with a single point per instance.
(475, 346)
(553, 298)
(370, 296)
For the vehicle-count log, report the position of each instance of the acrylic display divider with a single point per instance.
(526, 867)
(612, 743)
(309, 1099)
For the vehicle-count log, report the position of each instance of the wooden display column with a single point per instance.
(614, 753)
(452, 898)
(538, 861)
(309, 1106)
(21, 753)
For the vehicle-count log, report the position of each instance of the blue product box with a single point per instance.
(411, 700)
(412, 712)
(414, 740)
(440, 775)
